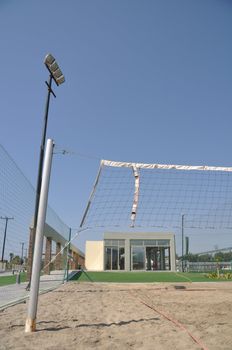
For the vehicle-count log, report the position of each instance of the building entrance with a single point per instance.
(150, 255)
(153, 259)
(157, 258)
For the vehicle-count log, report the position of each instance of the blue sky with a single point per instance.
(146, 81)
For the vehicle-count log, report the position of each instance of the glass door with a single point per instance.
(107, 258)
(114, 258)
(153, 258)
(138, 258)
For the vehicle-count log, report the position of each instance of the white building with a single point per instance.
(132, 252)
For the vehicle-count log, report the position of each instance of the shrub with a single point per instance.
(222, 276)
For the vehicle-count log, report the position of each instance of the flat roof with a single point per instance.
(55, 236)
(138, 235)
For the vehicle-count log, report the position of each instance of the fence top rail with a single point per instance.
(204, 263)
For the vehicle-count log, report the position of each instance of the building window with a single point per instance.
(138, 257)
(122, 258)
(150, 255)
(114, 254)
(108, 258)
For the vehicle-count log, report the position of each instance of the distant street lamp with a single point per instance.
(55, 74)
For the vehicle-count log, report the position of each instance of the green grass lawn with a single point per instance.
(5, 280)
(140, 277)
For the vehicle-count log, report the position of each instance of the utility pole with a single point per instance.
(6, 218)
(22, 243)
(186, 245)
(182, 234)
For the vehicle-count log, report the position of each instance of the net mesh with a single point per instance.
(157, 198)
(17, 200)
(205, 197)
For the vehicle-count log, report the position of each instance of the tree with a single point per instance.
(16, 260)
(11, 256)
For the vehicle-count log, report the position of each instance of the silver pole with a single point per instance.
(34, 290)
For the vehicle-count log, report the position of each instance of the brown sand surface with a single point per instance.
(125, 316)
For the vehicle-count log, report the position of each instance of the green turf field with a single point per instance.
(140, 277)
(5, 280)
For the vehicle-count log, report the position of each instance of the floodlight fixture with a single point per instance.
(54, 69)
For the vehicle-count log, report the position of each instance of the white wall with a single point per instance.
(94, 255)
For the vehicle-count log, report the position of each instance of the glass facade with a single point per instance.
(122, 258)
(107, 258)
(114, 254)
(140, 254)
(138, 257)
(150, 255)
(114, 257)
(151, 242)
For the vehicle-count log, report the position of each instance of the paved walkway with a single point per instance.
(15, 293)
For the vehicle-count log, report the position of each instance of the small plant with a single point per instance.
(222, 276)
(228, 275)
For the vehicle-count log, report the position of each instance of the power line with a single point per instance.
(64, 151)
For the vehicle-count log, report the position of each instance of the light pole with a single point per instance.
(4, 239)
(54, 74)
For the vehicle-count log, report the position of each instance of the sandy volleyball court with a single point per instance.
(123, 316)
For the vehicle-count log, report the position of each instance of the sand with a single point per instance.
(125, 316)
